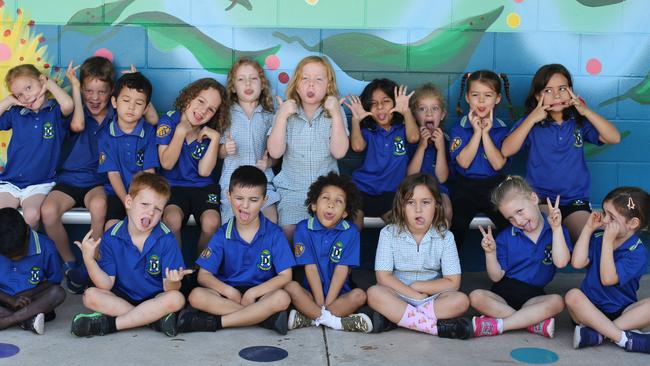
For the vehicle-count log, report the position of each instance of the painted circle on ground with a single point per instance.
(272, 62)
(534, 355)
(513, 20)
(8, 350)
(283, 77)
(263, 354)
(594, 66)
(104, 52)
(5, 52)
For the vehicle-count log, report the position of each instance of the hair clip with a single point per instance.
(630, 204)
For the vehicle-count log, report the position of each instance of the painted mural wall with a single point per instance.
(604, 43)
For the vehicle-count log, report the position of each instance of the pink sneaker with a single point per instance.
(484, 326)
(546, 328)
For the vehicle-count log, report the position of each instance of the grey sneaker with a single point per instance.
(298, 320)
(357, 323)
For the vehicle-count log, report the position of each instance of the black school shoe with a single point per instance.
(194, 320)
(458, 328)
(381, 324)
(166, 325)
(277, 322)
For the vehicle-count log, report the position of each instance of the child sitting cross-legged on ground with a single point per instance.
(327, 244)
(138, 269)
(245, 266)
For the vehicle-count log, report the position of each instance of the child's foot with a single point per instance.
(194, 320)
(298, 320)
(381, 324)
(166, 325)
(357, 323)
(76, 280)
(484, 326)
(36, 324)
(459, 328)
(584, 336)
(637, 342)
(546, 328)
(277, 322)
(86, 325)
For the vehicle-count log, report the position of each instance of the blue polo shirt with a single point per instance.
(480, 167)
(41, 264)
(631, 261)
(327, 248)
(429, 164)
(186, 171)
(554, 150)
(386, 160)
(139, 274)
(239, 263)
(526, 261)
(126, 153)
(35, 145)
(79, 169)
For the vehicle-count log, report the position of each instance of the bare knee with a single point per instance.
(459, 302)
(280, 300)
(197, 297)
(90, 298)
(32, 216)
(374, 295)
(210, 225)
(292, 287)
(358, 297)
(57, 295)
(97, 207)
(50, 213)
(477, 297)
(174, 221)
(556, 303)
(573, 297)
(173, 301)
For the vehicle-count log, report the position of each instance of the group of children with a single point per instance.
(142, 177)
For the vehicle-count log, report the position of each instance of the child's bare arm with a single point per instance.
(313, 278)
(580, 256)
(357, 142)
(115, 179)
(560, 251)
(89, 250)
(78, 122)
(386, 278)
(608, 274)
(415, 165)
(606, 130)
(208, 280)
(489, 245)
(431, 287)
(275, 283)
(65, 101)
(339, 277)
(466, 156)
(515, 140)
(339, 142)
(209, 160)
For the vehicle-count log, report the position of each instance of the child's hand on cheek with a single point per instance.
(611, 232)
(438, 138)
(475, 120)
(540, 113)
(595, 221)
(577, 102)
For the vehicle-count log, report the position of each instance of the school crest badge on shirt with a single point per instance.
(198, 151)
(212, 198)
(455, 144)
(35, 274)
(102, 158)
(206, 253)
(48, 130)
(163, 130)
(577, 135)
(399, 146)
(139, 158)
(153, 265)
(336, 252)
(298, 249)
(265, 260)
(548, 255)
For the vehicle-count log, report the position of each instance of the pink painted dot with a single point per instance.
(5, 52)
(594, 66)
(272, 62)
(105, 53)
(519, 1)
(283, 77)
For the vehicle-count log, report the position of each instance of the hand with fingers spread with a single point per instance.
(131, 70)
(176, 275)
(401, 100)
(554, 214)
(577, 102)
(230, 145)
(595, 221)
(356, 107)
(333, 104)
(488, 243)
(89, 246)
(263, 163)
(287, 107)
(540, 113)
(612, 229)
(71, 74)
(209, 133)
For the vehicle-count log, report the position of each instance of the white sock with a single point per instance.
(623, 340)
(328, 319)
(500, 325)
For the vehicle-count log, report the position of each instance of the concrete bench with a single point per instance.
(81, 216)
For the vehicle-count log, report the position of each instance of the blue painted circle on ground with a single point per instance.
(534, 355)
(8, 350)
(263, 354)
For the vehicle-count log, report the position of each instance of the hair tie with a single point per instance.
(630, 204)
